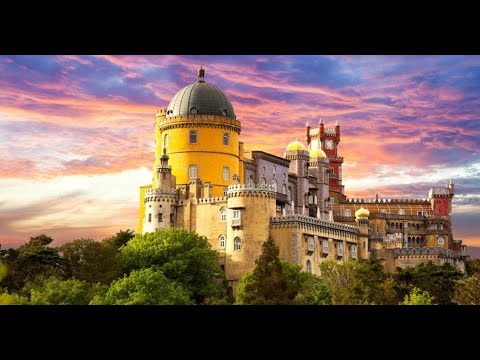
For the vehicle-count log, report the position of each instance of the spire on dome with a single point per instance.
(201, 74)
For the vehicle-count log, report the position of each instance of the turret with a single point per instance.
(307, 133)
(299, 158)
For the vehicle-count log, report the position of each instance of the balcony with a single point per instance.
(236, 222)
(282, 198)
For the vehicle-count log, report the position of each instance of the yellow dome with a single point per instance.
(362, 213)
(296, 146)
(317, 153)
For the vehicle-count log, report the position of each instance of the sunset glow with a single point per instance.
(77, 132)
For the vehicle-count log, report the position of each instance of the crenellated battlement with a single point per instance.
(313, 221)
(212, 200)
(424, 251)
(243, 190)
(387, 201)
(330, 131)
(167, 123)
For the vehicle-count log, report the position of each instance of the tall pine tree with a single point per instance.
(270, 285)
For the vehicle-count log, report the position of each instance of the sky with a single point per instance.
(77, 132)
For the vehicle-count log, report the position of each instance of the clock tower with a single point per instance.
(327, 139)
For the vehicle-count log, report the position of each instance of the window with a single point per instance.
(383, 211)
(192, 172)
(289, 192)
(354, 251)
(422, 213)
(236, 214)
(226, 173)
(221, 241)
(149, 217)
(401, 212)
(225, 190)
(250, 181)
(348, 212)
(325, 246)
(310, 243)
(165, 141)
(309, 266)
(284, 189)
(194, 110)
(264, 181)
(274, 170)
(193, 138)
(237, 244)
(284, 177)
(340, 249)
(263, 171)
(226, 139)
(274, 185)
(440, 240)
(223, 214)
(160, 217)
(171, 219)
(332, 200)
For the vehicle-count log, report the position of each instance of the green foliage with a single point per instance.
(418, 297)
(3, 271)
(241, 297)
(6, 299)
(309, 288)
(182, 256)
(31, 260)
(144, 287)
(467, 290)
(472, 267)
(439, 281)
(92, 261)
(121, 238)
(269, 285)
(53, 291)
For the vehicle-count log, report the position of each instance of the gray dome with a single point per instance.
(202, 99)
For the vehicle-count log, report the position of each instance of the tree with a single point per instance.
(472, 267)
(121, 238)
(309, 288)
(269, 285)
(31, 260)
(418, 297)
(467, 291)
(53, 291)
(342, 282)
(182, 256)
(439, 281)
(145, 287)
(92, 261)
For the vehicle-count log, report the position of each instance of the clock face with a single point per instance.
(329, 144)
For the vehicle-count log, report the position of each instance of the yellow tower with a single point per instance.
(200, 133)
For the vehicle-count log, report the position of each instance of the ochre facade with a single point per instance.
(203, 182)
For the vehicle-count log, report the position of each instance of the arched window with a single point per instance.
(309, 266)
(226, 173)
(274, 185)
(401, 212)
(284, 177)
(223, 214)
(289, 193)
(192, 172)
(165, 141)
(263, 171)
(225, 190)
(264, 181)
(221, 241)
(383, 211)
(250, 181)
(348, 212)
(274, 170)
(284, 189)
(193, 138)
(226, 139)
(237, 244)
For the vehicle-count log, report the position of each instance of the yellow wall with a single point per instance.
(209, 153)
(141, 212)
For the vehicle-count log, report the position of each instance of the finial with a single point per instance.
(201, 74)
(164, 151)
(336, 123)
(307, 125)
(321, 121)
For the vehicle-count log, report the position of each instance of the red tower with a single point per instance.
(328, 139)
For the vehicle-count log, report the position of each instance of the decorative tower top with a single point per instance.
(201, 74)
(321, 121)
(164, 167)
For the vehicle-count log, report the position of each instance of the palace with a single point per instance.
(202, 181)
